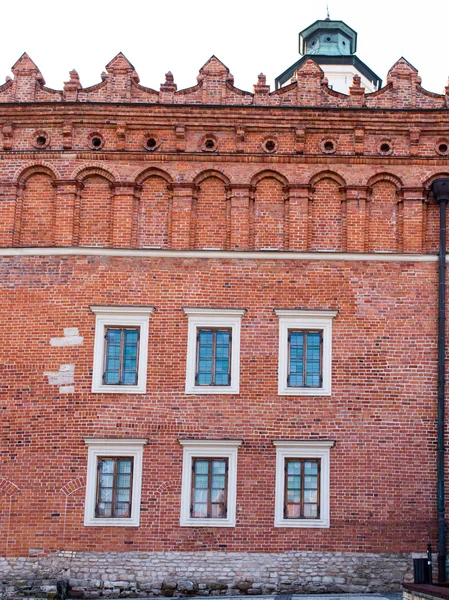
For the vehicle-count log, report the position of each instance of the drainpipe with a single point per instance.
(440, 190)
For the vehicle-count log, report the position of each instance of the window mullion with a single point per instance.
(122, 352)
(302, 483)
(214, 357)
(114, 487)
(209, 488)
(304, 366)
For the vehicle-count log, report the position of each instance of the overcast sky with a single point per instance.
(249, 36)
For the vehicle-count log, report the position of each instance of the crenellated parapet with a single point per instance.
(215, 85)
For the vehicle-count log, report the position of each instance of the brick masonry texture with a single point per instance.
(358, 231)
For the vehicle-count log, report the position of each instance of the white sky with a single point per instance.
(249, 36)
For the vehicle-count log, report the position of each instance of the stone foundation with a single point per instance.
(166, 574)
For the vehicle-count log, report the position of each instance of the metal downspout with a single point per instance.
(440, 190)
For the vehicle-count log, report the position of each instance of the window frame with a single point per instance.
(114, 488)
(210, 449)
(120, 317)
(99, 448)
(213, 318)
(209, 503)
(318, 450)
(305, 320)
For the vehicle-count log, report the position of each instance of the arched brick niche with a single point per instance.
(325, 215)
(269, 211)
(384, 218)
(34, 222)
(154, 208)
(211, 211)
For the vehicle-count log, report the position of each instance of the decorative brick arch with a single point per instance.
(91, 169)
(327, 175)
(265, 174)
(269, 215)
(431, 214)
(20, 179)
(8, 489)
(153, 172)
(394, 179)
(210, 219)
(326, 211)
(97, 234)
(384, 214)
(22, 176)
(428, 182)
(67, 490)
(152, 209)
(211, 173)
(73, 486)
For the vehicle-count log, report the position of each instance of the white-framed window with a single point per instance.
(121, 349)
(302, 483)
(209, 483)
(213, 351)
(114, 482)
(305, 352)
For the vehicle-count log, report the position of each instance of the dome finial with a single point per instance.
(328, 18)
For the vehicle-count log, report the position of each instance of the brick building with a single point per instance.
(219, 324)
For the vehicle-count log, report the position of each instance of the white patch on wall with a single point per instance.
(71, 338)
(63, 378)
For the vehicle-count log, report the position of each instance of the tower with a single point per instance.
(332, 45)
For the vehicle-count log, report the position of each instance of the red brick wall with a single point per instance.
(240, 197)
(381, 413)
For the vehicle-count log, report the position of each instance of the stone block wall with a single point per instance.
(166, 574)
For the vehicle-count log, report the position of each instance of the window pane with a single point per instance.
(218, 481)
(199, 510)
(310, 468)
(310, 481)
(112, 363)
(123, 480)
(293, 468)
(205, 365)
(293, 496)
(313, 380)
(296, 380)
(219, 467)
(294, 482)
(123, 495)
(217, 496)
(310, 511)
(107, 466)
(222, 337)
(130, 350)
(114, 350)
(113, 335)
(111, 378)
(293, 511)
(130, 364)
(106, 480)
(218, 511)
(205, 336)
(201, 481)
(131, 336)
(310, 496)
(201, 466)
(105, 495)
(104, 509)
(122, 509)
(200, 496)
(204, 379)
(129, 378)
(205, 351)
